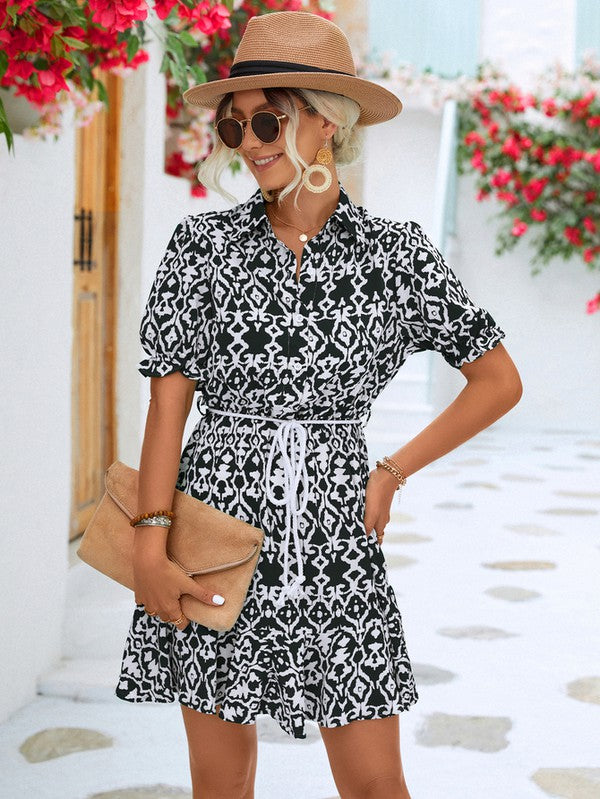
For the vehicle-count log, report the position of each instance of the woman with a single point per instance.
(290, 313)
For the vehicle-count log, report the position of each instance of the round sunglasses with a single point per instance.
(266, 126)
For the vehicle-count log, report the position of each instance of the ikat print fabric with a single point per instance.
(322, 637)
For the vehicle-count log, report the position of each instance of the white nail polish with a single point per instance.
(218, 599)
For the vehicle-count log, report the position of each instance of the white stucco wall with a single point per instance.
(551, 338)
(36, 254)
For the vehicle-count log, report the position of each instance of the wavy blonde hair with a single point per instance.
(347, 141)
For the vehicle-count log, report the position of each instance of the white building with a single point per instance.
(74, 401)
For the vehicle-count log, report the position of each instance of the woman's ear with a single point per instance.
(328, 128)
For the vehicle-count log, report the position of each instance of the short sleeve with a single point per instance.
(174, 326)
(436, 312)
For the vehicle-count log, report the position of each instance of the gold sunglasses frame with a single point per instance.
(242, 123)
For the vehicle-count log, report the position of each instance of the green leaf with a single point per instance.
(102, 94)
(3, 62)
(75, 43)
(5, 128)
(186, 38)
(133, 45)
(198, 73)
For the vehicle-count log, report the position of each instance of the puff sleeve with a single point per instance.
(174, 326)
(435, 310)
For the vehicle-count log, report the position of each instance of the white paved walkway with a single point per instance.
(494, 554)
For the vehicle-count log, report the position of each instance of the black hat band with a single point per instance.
(244, 68)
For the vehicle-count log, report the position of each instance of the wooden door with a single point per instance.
(94, 307)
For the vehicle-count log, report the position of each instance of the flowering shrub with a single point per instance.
(51, 51)
(538, 154)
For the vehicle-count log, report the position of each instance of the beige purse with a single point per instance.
(202, 541)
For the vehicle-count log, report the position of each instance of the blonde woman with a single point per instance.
(288, 314)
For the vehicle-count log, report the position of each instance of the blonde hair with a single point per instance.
(347, 141)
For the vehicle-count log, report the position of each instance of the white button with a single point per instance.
(298, 318)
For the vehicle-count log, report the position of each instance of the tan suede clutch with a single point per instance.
(211, 546)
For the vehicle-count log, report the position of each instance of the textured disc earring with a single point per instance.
(324, 156)
(268, 195)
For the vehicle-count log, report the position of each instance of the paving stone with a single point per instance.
(541, 448)
(145, 792)
(569, 783)
(401, 518)
(59, 741)
(479, 484)
(454, 505)
(471, 462)
(441, 472)
(399, 561)
(570, 511)
(426, 674)
(407, 538)
(489, 447)
(522, 478)
(512, 593)
(481, 733)
(520, 565)
(476, 631)
(588, 443)
(588, 456)
(531, 529)
(585, 689)
(560, 467)
(577, 494)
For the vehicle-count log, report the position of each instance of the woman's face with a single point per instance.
(276, 173)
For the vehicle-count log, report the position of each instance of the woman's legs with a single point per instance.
(222, 756)
(365, 759)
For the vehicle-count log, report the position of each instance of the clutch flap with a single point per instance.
(121, 482)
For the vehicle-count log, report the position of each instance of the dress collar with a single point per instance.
(249, 215)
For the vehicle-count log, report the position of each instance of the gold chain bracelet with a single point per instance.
(392, 467)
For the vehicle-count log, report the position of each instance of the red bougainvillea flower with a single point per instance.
(511, 147)
(519, 227)
(483, 194)
(501, 178)
(538, 214)
(549, 107)
(507, 197)
(118, 15)
(534, 188)
(573, 234)
(206, 18)
(589, 224)
(164, 7)
(474, 137)
(593, 305)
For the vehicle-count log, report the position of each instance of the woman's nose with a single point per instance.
(249, 137)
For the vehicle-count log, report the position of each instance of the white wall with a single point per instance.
(36, 254)
(551, 338)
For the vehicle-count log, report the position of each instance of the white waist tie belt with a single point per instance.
(290, 438)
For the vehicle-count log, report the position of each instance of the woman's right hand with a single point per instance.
(159, 584)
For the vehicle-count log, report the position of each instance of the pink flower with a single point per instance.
(589, 224)
(538, 214)
(519, 227)
(593, 305)
(501, 178)
(118, 15)
(573, 234)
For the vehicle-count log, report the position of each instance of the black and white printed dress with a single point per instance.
(286, 375)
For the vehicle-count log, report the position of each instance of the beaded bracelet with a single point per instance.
(141, 516)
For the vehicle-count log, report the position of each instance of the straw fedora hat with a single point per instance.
(301, 50)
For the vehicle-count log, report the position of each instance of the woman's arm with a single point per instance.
(493, 388)
(171, 399)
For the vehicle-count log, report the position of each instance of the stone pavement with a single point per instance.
(494, 554)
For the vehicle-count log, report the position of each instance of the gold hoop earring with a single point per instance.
(324, 156)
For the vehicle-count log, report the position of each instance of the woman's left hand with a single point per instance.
(379, 494)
